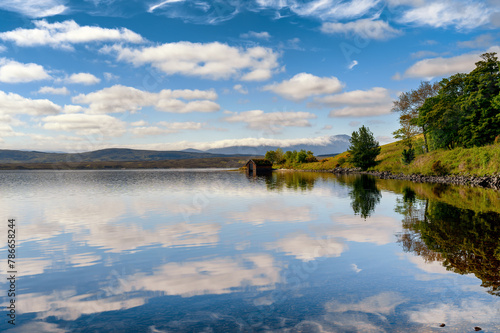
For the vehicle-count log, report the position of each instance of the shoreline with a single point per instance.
(492, 182)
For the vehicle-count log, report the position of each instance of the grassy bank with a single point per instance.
(478, 161)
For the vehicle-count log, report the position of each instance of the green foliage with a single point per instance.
(463, 240)
(271, 156)
(363, 148)
(291, 159)
(364, 195)
(341, 161)
(408, 155)
(466, 110)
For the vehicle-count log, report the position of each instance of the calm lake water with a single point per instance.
(217, 251)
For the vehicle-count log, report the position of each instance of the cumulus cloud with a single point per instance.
(480, 41)
(65, 34)
(365, 28)
(54, 91)
(83, 78)
(273, 121)
(239, 88)
(357, 103)
(85, 124)
(304, 85)
(461, 14)
(307, 248)
(120, 98)
(34, 8)
(259, 35)
(207, 60)
(11, 103)
(164, 127)
(440, 66)
(15, 72)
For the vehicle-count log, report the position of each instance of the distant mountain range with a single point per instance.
(336, 144)
(107, 155)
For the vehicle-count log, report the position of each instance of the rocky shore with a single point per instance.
(480, 181)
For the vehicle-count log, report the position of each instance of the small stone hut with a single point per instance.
(259, 166)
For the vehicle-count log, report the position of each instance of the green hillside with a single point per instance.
(478, 161)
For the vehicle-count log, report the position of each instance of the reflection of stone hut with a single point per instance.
(259, 166)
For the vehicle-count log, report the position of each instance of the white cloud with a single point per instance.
(357, 103)
(85, 124)
(239, 88)
(110, 76)
(83, 78)
(54, 91)
(480, 41)
(35, 8)
(65, 34)
(307, 248)
(213, 276)
(464, 314)
(207, 60)
(11, 103)
(139, 123)
(304, 85)
(120, 98)
(323, 9)
(73, 109)
(352, 64)
(273, 211)
(3, 48)
(461, 14)
(423, 54)
(259, 35)
(438, 67)
(15, 72)
(273, 121)
(164, 127)
(365, 28)
(378, 230)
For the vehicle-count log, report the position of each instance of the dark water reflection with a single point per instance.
(217, 251)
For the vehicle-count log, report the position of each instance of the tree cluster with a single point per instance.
(462, 110)
(290, 158)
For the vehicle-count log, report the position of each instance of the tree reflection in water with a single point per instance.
(364, 195)
(464, 240)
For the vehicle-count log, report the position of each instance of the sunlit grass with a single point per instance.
(478, 161)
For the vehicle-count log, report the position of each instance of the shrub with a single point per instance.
(341, 161)
(408, 155)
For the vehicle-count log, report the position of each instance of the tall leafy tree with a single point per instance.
(481, 112)
(408, 105)
(442, 114)
(363, 148)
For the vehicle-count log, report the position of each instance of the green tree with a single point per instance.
(279, 155)
(364, 195)
(443, 114)
(481, 113)
(408, 104)
(271, 156)
(363, 148)
(301, 156)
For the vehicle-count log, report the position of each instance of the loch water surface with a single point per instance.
(218, 251)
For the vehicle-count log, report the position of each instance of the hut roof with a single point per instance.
(262, 162)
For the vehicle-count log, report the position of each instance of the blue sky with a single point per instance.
(176, 74)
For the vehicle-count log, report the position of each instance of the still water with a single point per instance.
(217, 251)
